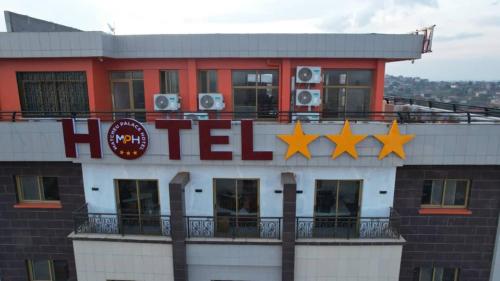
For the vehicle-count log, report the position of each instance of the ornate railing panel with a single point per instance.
(348, 227)
(231, 226)
(107, 223)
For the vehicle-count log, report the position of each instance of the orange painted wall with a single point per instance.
(99, 86)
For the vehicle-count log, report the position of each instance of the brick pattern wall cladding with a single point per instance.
(37, 233)
(464, 241)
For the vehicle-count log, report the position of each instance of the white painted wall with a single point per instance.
(101, 261)
(353, 263)
(234, 262)
(372, 204)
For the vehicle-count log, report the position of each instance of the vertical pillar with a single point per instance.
(289, 220)
(151, 87)
(285, 86)
(178, 230)
(378, 88)
(192, 95)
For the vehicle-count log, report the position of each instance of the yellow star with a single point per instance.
(345, 142)
(393, 142)
(298, 142)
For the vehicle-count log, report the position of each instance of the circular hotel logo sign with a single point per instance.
(128, 139)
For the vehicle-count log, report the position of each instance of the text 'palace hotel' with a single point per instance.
(236, 157)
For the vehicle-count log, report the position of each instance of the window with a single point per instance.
(207, 81)
(35, 189)
(138, 206)
(128, 94)
(52, 93)
(169, 81)
(47, 270)
(438, 274)
(255, 93)
(445, 193)
(236, 206)
(346, 93)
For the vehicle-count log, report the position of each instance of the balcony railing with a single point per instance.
(420, 116)
(233, 227)
(109, 223)
(349, 227)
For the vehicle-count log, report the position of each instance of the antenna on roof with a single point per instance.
(112, 28)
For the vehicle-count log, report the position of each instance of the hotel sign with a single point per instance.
(128, 139)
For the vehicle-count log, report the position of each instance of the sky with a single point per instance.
(466, 43)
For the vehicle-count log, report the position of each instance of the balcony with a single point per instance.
(349, 227)
(233, 227)
(124, 224)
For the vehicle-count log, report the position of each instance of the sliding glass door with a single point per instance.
(138, 206)
(337, 206)
(236, 207)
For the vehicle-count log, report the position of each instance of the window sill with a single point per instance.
(39, 205)
(444, 211)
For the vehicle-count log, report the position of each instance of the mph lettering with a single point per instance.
(128, 138)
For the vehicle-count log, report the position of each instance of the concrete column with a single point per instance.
(178, 230)
(289, 220)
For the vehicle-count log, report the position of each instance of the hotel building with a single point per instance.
(235, 157)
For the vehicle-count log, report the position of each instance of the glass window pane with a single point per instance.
(29, 186)
(202, 82)
(50, 188)
(334, 77)
(148, 191)
(244, 78)
(455, 192)
(438, 274)
(267, 102)
(326, 198)
(245, 97)
(121, 95)
(247, 197)
(359, 78)
(137, 75)
(427, 192)
(425, 274)
(267, 78)
(138, 93)
(61, 270)
(169, 81)
(348, 202)
(332, 104)
(449, 274)
(225, 197)
(437, 192)
(357, 101)
(461, 192)
(127, 191)
(40, 269)
(212, 81)
(120, 75)
(449, 193)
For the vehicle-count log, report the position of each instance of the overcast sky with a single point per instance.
(466, 45)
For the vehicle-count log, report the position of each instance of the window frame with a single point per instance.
(442, 205)
(207, 82)
(256, 88)
(51, 267)
(433, 278)
(167, 86)
(236, 193)
(360, 196)
(345, 89)
(40, 188)
(130, 80)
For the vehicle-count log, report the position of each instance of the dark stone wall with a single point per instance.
(464, 241)
(37, 233)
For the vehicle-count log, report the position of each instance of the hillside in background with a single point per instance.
(480, 93)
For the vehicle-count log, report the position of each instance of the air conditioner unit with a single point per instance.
(307, 97)
(166, 102)
(308, 74)
(211, 101)
(196, 116)
(305, 116)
